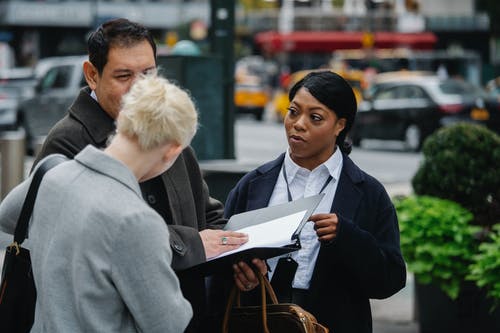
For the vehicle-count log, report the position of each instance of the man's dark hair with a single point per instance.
(115, 33)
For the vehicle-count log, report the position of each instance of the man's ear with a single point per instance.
(91, 74)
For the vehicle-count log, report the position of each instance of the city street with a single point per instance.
(257, 142)
(414, 66)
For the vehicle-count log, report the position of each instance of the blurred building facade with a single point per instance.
(456, 23)
(307, 32)
(39, 28)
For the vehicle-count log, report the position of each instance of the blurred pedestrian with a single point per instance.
(119, 51)
(100, 259)
(350, 248)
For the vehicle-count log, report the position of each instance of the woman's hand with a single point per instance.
(245, 277)
(217, 242)
(325, 226)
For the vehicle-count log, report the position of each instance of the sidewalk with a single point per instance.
(395, 314)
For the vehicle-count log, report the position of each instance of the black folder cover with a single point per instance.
(225, 263)
(254, 217)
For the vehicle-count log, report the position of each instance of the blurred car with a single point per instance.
(8, 108)
(251, 96)
(253, 76)
(493, 87)
(408, 107)
(280, 100)
(16, 85)
(60, 82)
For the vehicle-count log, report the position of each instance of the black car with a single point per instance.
(409, 108)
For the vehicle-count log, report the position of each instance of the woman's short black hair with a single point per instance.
(118, 32)
(333, 91)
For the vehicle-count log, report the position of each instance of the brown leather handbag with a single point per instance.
(267, 318)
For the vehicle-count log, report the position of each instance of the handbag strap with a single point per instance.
(265, 289)
(23, 221)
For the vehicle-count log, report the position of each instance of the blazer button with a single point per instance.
(151, 199)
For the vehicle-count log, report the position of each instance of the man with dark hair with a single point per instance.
(119, 51)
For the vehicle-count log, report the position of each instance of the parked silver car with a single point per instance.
(16, 85)
(60, 82)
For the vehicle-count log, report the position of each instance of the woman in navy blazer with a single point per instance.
(358, 254)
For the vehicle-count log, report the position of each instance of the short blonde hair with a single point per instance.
(156, 112)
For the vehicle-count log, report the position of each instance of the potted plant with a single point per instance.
(485, 268)
(437, 240)
(461, 164)
(442, 240)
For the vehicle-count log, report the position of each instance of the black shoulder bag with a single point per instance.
(17, 289)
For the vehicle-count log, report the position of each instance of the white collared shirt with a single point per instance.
(305, 183)
(93, 95)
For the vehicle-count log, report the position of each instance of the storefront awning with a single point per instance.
(328, 41)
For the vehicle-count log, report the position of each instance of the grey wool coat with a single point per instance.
(100, 260)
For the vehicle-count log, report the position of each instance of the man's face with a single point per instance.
(123, 66)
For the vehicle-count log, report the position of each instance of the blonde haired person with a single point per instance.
(101, 256)
(156, 119)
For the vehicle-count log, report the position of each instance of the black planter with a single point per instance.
(437, 313)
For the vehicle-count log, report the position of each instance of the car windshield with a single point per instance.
(458, 87)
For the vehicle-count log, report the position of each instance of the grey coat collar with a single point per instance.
(100, 162)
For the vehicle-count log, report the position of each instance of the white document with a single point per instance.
(274, 233)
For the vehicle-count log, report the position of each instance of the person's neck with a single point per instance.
(310, 163)
(128, 152)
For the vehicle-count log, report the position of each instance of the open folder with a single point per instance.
(272, 231)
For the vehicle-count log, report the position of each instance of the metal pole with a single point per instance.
(222, 44)
(12, 152)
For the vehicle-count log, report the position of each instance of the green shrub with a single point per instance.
(461, 163)
(485, 269)
(437, 240)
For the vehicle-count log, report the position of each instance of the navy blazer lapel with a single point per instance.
(346, 199)
(261, 187)
(348, 196)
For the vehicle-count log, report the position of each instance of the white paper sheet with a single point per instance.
(274, 233)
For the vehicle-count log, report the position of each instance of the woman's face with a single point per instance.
(311, 130)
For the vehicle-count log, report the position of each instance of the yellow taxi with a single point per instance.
(251, 96)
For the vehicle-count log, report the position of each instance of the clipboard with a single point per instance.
(263, 225)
